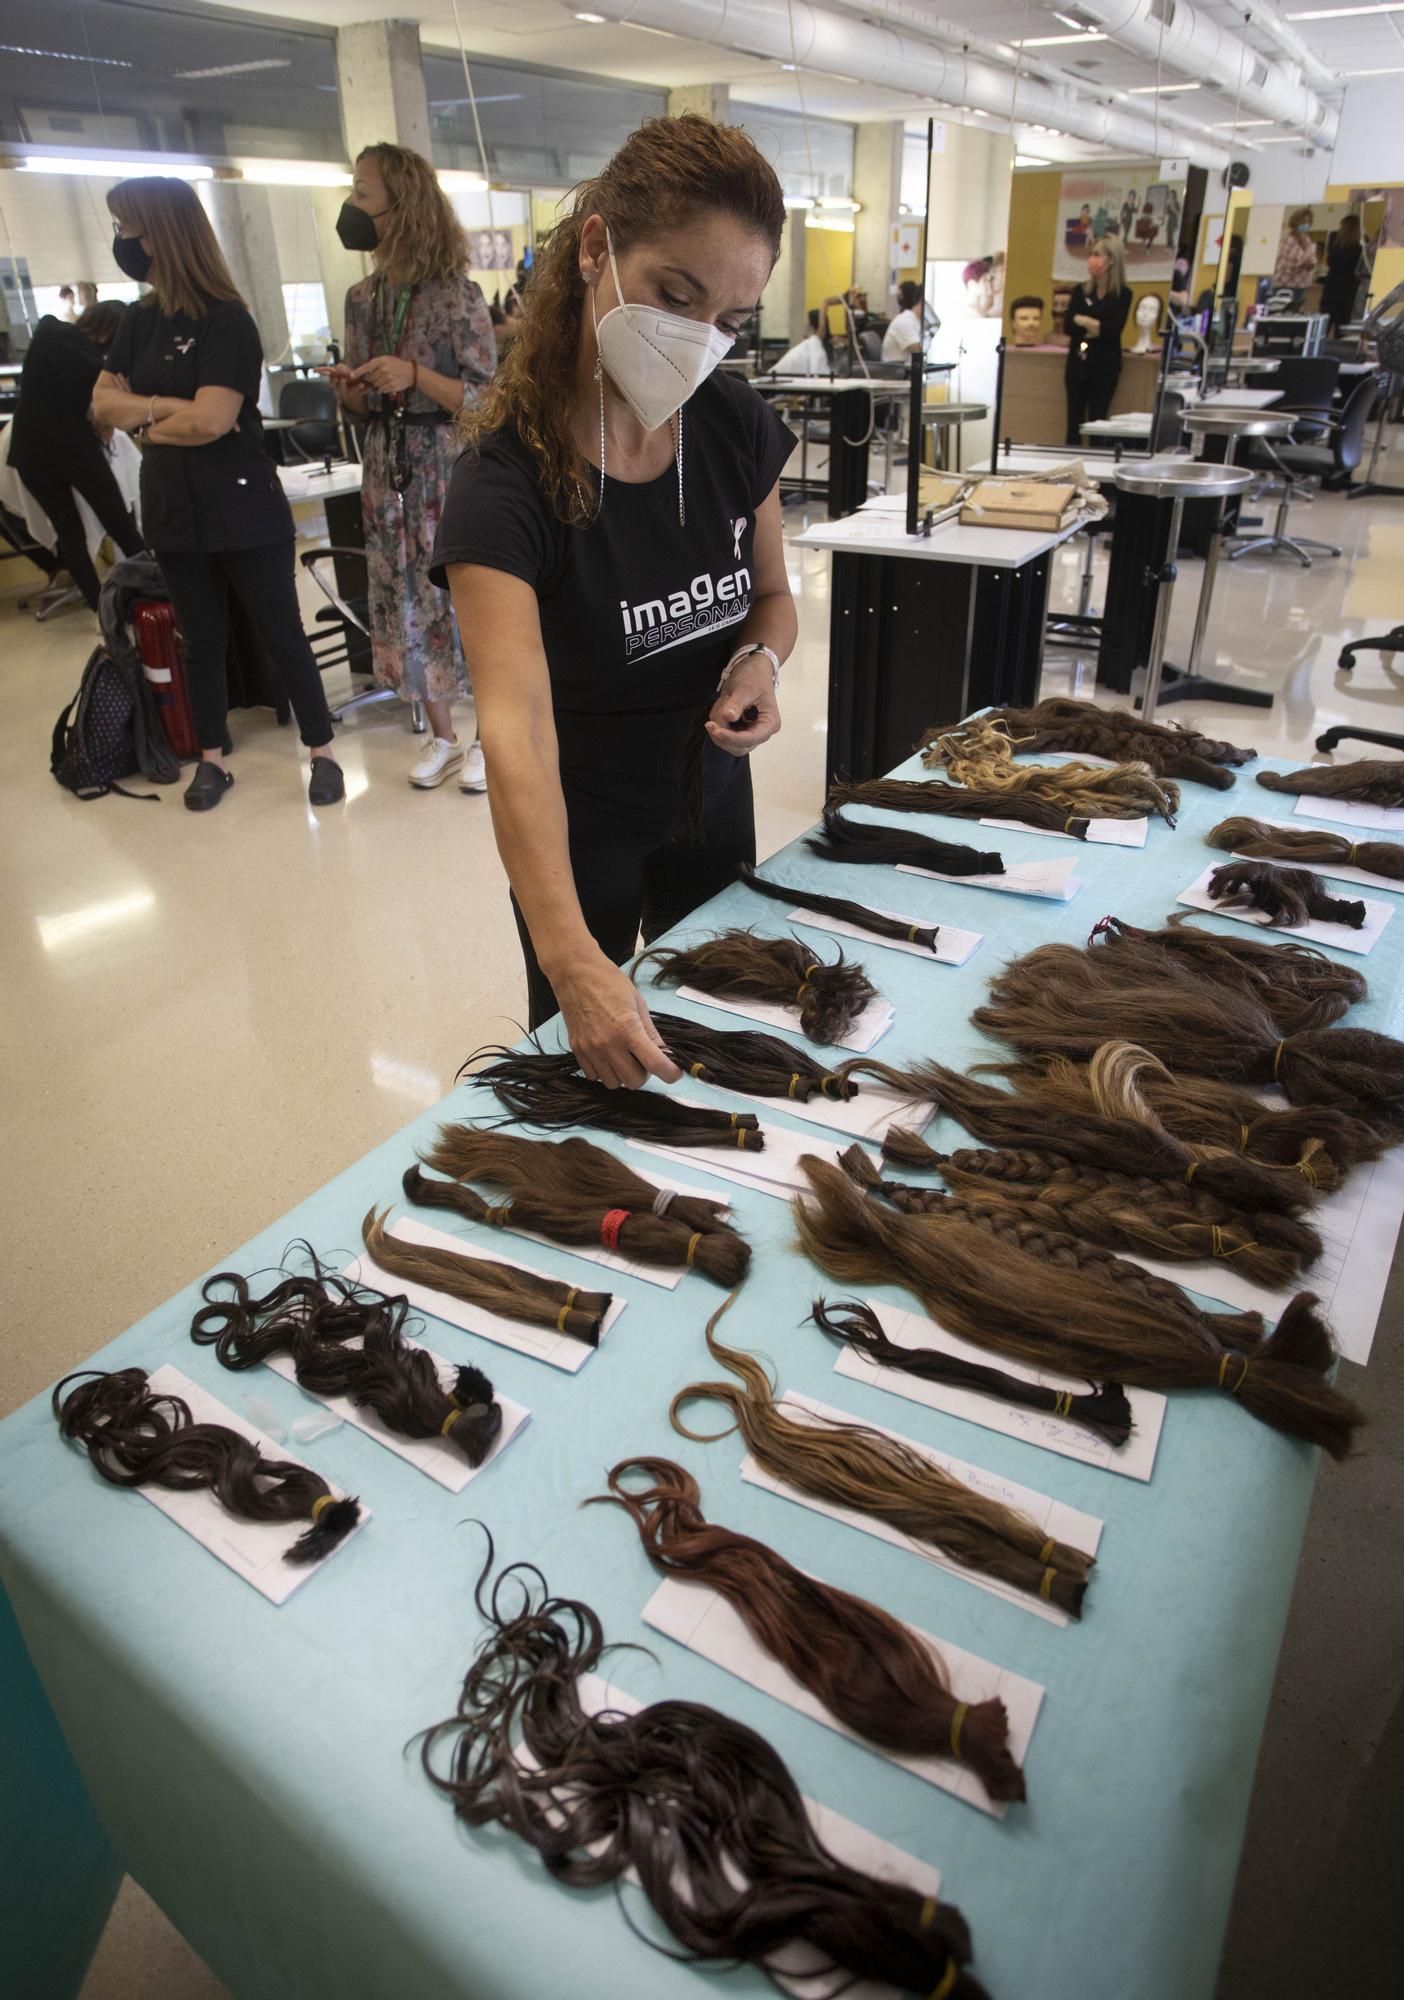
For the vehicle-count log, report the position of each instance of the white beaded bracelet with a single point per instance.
(746, 653)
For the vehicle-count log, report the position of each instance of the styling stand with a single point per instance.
(1172, 481)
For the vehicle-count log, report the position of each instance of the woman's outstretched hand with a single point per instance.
(608, 1025)
(750, 688)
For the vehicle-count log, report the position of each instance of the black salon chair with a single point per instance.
(1336, 459)
(316, 433)
(1308, 387)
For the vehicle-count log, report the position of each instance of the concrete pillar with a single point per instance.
(877, 188)
(709, 100)
(242, 219)
(380, 78)
(782, 301)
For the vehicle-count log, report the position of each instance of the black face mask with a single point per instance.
(131, 260)
(356, 228)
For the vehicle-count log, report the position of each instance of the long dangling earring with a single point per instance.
(599, 384)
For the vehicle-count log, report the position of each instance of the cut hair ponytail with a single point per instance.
(1289, 896)
(573, 1168)
(829, 993)
(546, 1089)
(1263, 841)
(840, 839)
(873, 921)
(1370, 781)
(497, 1288)
(1084, 726)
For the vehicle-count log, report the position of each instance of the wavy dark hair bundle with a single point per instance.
(541, 1087)
(1297, 983)
(858, 1467)
(875, 922)
(314, 1320)
(1171, 749)
(574, 1168)
(1057, 1000)
(638, 1233)
(749, 1059)
(1152, 1218)
(1104, 1411)
(840, 839)
(995, 1296)
(699, 1807)
(1370, 781)
(1103, 1122)
(504, 1289)
(1038, 1238)
(979, 756)
(1303, 843)
(829, 993)
(869, 1670)
(135, 1437)
(1290, 897)
(961, 802)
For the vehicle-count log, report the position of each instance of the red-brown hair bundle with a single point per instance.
(829, 993)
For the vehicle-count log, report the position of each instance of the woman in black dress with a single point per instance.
(54, 447)
(184, 375)
(614, 551)
(1096, 315)
(1342, 274)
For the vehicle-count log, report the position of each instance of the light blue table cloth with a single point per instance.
(248, 1765)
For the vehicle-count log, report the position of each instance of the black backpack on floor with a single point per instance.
(110, 730)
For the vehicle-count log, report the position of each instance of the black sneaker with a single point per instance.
(327, 785)
(207, 787)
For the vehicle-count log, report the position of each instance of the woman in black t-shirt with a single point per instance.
(614, 551)
(184, 373)
(1095, 318)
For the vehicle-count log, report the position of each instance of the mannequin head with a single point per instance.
(979, 285)
(1148, 311)
(1026, 320)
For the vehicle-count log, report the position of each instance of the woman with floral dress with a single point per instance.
(419, 345)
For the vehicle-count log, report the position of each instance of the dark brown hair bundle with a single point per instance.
(1303, 843)
(829, 993)
(840, 839)
(750, 1060)
(1146, 1217)
(992, 1294)
(639, 1233)
(572, 1167)
(869, 1670)
(1174, 751)
(960, 802)
(697, 1805)
(135, 1437)
(856, 1466)
(314, 1320)
(1111, 1128)
(1370, 781)
(1297, 983)
(498, 1288)
(1288, 896)
(539, 1087)
(1038, 1238)
(1104, 1411)
(864, 919)
(980, 755)
(1057, 1000)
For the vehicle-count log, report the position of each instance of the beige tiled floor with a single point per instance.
(207, 1017)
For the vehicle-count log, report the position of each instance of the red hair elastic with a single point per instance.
(609, 1229)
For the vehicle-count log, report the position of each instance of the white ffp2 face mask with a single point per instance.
(655, 359)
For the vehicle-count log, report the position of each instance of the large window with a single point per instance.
(165, 77)
(542, 128)
(812, 156)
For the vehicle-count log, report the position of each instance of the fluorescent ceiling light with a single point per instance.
(843, 204)
(799, 201)
(114, 169)
(1295, 140)
(1159, 89)
(1030, 159)
(458, 180)
(65, 55)
(1342, 13)
(1240, 124)
(294, 173)
(235, 69)
(595, 20)
(1398, 70)
(1061, 41)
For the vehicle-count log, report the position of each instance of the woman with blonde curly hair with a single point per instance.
(613, 547)
(419, 347)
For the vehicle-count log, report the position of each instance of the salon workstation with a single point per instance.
(705, 1288)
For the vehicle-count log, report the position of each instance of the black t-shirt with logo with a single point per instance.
(221, 495)
(639, 615)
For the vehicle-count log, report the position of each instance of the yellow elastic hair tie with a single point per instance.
(911, 934)
(692, 1243)
(697, 1069)
(928, 1913)
(1351, 855)
(795, 1080)
(1242, 1360)
(561, 1318)
(1243, 1138)
(803, 987)
(1190, 1171)
(1045, 1588)
(1216, 1237)
(945, 1985)
(741, 1138)
(1277, 1058)
(1062, 1407)
(449, 1421)
(1046, 1551)
(322, 1500)
(496, 1217)
(958, 1715)
(1305, 1168)
(1068, 824)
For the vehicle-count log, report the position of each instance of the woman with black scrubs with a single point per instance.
(614, 550)
(1095, 318)
(183, 374)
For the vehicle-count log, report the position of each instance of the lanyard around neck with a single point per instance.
(392, 334)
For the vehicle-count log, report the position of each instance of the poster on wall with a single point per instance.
(1145, 213)
(490, 250)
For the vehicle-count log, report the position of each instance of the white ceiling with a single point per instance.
(546, 32)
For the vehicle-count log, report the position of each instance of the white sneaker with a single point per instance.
(474, 774)
(435, 762)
